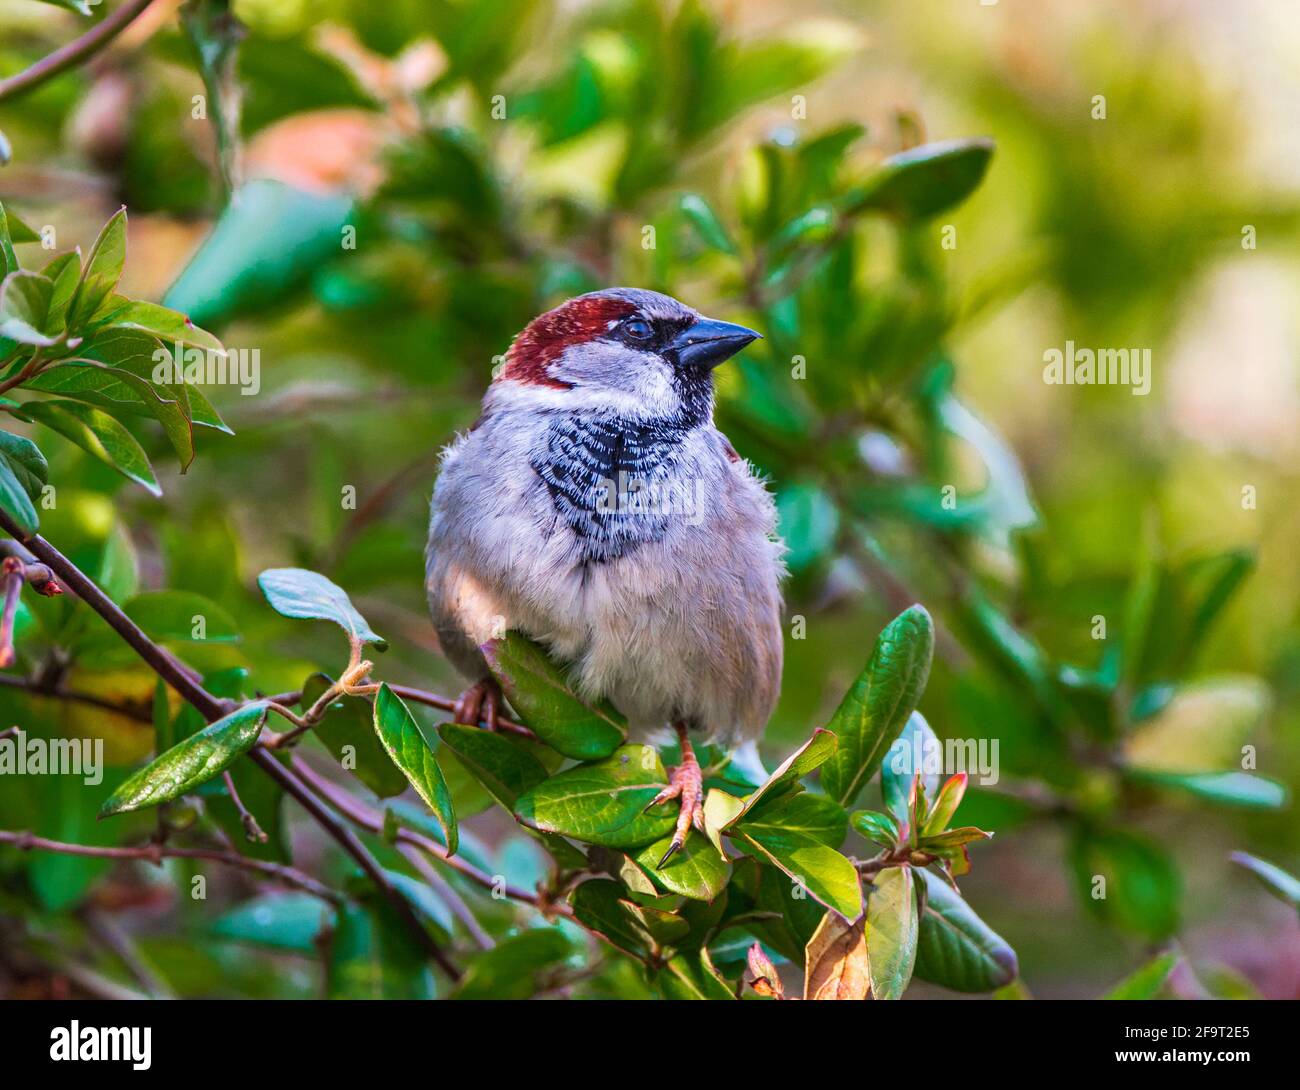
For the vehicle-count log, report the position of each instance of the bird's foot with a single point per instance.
(685, 782)
(482, 700)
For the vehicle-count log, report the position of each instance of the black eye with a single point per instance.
(638, 329)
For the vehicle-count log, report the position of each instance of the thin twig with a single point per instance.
(137, 712)
(154, 853)
(180, 678)
(75, 51)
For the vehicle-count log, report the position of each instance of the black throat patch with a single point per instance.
(616, 481)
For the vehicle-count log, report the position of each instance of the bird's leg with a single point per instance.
(482, 700)
(685, 782)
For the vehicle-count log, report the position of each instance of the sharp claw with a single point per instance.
(673, 848)
(672, 791)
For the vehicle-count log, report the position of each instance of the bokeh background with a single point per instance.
(745, 135)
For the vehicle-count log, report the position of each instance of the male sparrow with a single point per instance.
(595, 508)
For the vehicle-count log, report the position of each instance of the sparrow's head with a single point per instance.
(627, 350)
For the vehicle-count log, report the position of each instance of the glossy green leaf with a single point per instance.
(875, 826)
(185, 766)
(603, 802)
(297, 592)
(917, 749)
(955, 948)
(97, 433)
(814, 816)
(406, 746)
(695, 871)
(892, 929)
(826, 874)
(819, 749)
(505, 768)
(878, 704)
(926, 180)
(539, 691)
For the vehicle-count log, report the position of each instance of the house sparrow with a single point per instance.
(595, 508)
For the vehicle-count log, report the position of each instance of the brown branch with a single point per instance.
(155, 853)
(180, 678)
(35, 687)
(76, 51)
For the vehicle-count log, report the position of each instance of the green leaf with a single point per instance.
(373, 956)
(347, 731)
(513, 969)
(539, 691)
(926, 180)
(297, 592)
(289, 922)
(945, 805)
(170, 326)
(1147, 982)
(97, 433)
(814, 816)
(115, 371)
(10, 227)
(174, 615)
(1277, 881)
(64, 272)
(102, 270)
(891, 931)
(877, 706)
(1140, 888)
(405, 744)
(955, 948)
(505, 768)
(720, 810)
(197, 759)
(808, 757)
(663, 928)
(1202, 729)
(826, 874)
(1243, 789)
(705, 220)
(695, 871)
(875, 826)
(692, 976)
(25, 307)
(599, 905)
(23, 474)
(603, 802)
(266, 245)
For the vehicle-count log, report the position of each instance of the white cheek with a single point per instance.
(612, 376)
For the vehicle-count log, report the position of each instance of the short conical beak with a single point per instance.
(708, 342)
